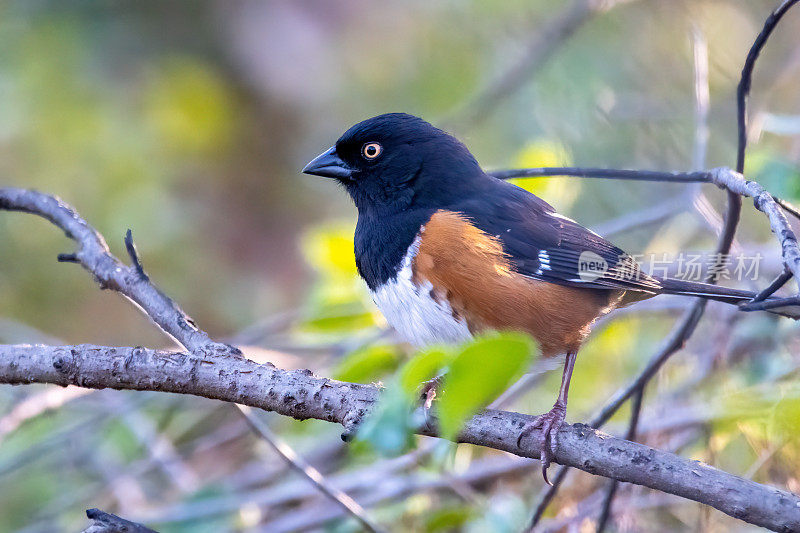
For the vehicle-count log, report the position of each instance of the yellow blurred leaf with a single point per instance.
(329, 250)
(190, 107)
(546, 153)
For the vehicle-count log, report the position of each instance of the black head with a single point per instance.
(395, 161)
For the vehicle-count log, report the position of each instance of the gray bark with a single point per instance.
(300, 394)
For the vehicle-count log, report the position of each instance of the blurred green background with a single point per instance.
(188, 122)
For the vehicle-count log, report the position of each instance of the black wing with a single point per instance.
(544, 245)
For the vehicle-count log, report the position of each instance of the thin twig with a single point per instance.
(779, 281)
(134, 255)
(687, 325)
(701, 176)
(547, 39)
(743, 89)
(604, 173)
(296, 463)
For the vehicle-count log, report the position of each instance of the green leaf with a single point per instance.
(368, 364)
(478, 374)
(449, 518)
(389, 428)
(426, 365)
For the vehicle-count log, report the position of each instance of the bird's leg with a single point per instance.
(551, 421)
(427, 391)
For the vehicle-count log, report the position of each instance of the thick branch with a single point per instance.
(302, 395)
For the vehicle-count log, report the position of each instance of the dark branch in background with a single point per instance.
(213, 373)
(547, 39)
(735, 185)
(743, 90)
(110, 523)
(636, 410)
(604, 173)
(294, 461)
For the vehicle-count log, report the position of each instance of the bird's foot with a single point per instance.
(427, 391)
(427, 394)
(548, 423)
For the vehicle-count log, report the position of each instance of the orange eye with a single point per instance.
(371, 150)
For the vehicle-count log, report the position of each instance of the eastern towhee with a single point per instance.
(449, 251)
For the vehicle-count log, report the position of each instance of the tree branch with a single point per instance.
(302, 395)
(93, 254)
(684, 329)
(735, 183)
(208, 370)
(296, 463)
(547, 39)
(109, 523)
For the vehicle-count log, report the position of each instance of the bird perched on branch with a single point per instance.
(449, 251)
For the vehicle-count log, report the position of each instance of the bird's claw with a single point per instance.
(427, 394)
(549, 423)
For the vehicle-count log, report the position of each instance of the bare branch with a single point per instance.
(604, 173)
(302, 395)
(735, 183)
(110, 523)
(743, 90)
(548, 38)
(684, 329)
(93, 254)
(313, 475)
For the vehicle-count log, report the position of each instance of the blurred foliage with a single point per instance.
(188, 122)
(478, 374)
(468, 378)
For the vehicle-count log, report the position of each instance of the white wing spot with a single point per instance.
(544, 261)
(562, 217)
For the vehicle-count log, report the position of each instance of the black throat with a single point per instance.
(382, 240)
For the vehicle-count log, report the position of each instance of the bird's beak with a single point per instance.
(328, 164)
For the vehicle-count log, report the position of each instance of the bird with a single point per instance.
(449, 252)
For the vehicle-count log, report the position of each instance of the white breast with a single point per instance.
(414, 313)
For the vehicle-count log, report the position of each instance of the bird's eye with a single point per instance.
(371, 150)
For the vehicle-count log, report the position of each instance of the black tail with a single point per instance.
(721, 294)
